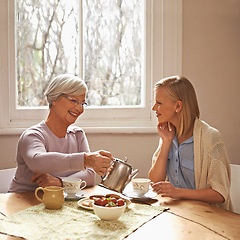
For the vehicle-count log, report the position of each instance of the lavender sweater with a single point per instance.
(40, 151)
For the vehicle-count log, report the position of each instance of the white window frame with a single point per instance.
(163, 57)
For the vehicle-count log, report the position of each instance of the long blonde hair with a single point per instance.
(180, 88)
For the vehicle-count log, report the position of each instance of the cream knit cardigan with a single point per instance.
(211, 164)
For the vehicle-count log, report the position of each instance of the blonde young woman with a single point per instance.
(191, 161)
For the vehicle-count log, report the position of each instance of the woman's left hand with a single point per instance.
(166, 189)
(166, 131)
(45, 180)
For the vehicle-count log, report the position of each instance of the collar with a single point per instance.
(188, 141)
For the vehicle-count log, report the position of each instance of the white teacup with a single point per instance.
(72, 186)
(140, 185)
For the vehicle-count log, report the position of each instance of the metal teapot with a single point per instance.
(118, 175)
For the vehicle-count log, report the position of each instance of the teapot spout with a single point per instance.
(131, 176)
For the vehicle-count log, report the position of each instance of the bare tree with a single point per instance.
(40, 48)
(112, 40)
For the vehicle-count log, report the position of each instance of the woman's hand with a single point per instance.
(100, 161)
(166, 131)
(45, 180)
(158, 170)
(166, 189)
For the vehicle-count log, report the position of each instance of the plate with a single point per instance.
(75, 197)
(86, 201)
(128, 191)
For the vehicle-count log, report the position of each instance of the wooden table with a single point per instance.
(184, 220)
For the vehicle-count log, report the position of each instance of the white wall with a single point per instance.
(211, 60)
(137, 147)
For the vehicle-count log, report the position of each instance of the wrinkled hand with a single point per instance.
(45, 180)
(166, 189)
(99, 161)
(166, 131)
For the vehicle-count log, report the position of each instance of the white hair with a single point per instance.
(65, 84)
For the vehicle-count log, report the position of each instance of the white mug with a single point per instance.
(140, 185)
(73, 185)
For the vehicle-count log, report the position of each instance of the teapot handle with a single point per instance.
(104, 175)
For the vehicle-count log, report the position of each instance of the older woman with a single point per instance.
(191, 154)
(53, 148)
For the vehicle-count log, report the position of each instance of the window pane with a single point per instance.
(47, 44)
(113, 34)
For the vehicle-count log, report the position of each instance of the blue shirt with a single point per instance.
(180, 166)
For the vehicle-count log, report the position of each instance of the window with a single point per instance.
(124, 68)
(113, 51)
(47, 44)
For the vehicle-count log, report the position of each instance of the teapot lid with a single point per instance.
(123, 162)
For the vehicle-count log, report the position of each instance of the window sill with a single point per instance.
(128, 130)
(92, 130)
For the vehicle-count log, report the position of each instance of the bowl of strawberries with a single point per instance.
(109, 208)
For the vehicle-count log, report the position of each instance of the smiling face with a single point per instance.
(166, 110)
(66, 110)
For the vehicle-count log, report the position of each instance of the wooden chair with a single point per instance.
(6, 176)
(235, 187)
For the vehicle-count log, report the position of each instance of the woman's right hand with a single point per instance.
(100, 161)
(166, 131)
